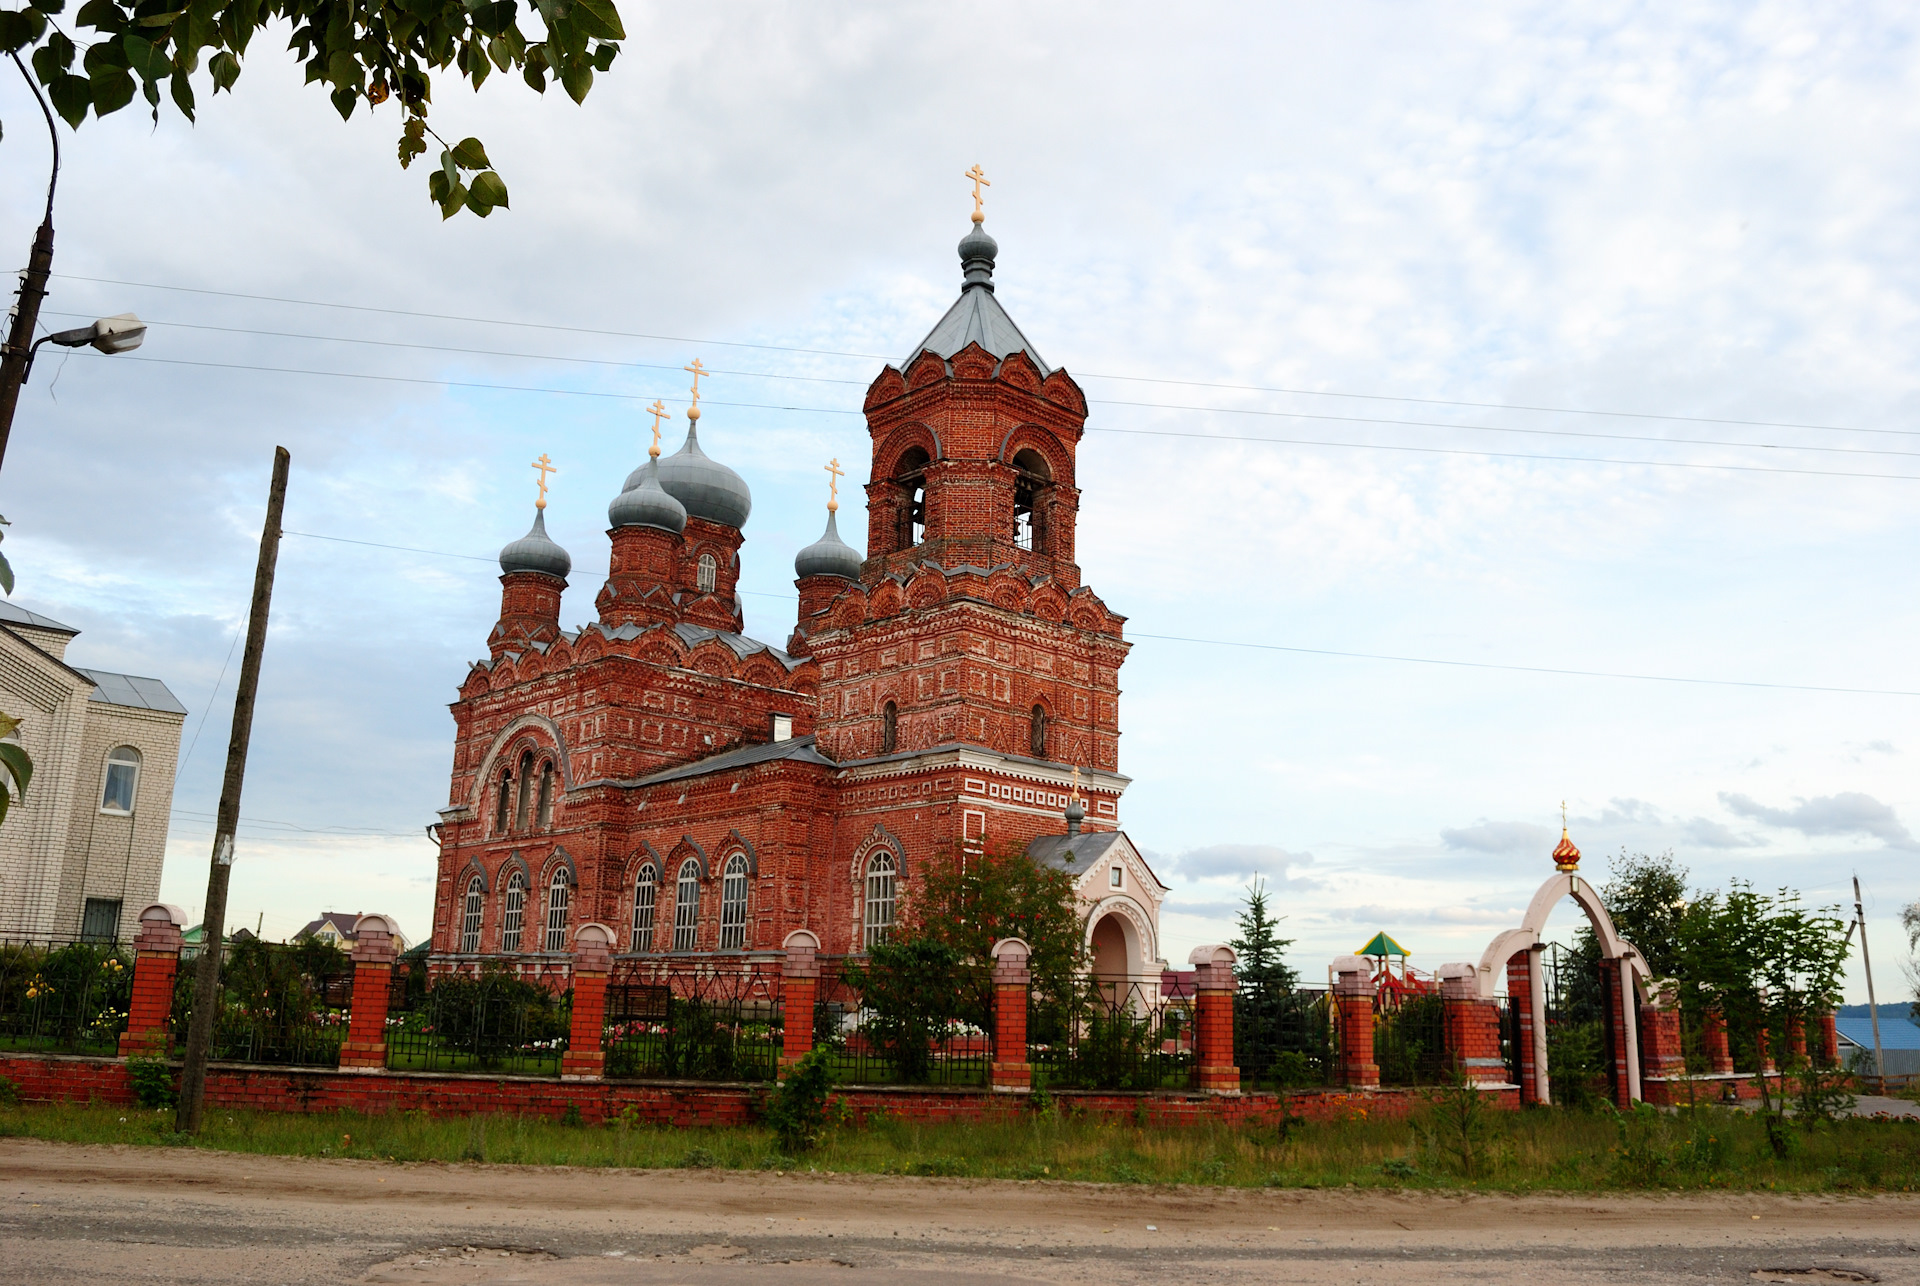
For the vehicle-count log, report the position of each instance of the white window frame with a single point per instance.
(706, 573)
(470, 915)
(1116, 878)
(686, 907)
(882, 898)
(646, 899)
(106, 780)
(513, 913)
(733, 904)
(559, 895)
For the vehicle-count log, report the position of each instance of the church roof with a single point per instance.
(977, 318)
(743, 647)
(131, 690)
(799, 749)
(1072, 853)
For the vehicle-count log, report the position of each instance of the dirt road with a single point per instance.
(116, 1214)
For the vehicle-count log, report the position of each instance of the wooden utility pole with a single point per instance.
(206, 986)
(16, 353)
(1873, 1005)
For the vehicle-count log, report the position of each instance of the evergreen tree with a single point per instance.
(1261, 949)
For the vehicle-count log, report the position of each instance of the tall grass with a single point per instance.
(1543, 1150)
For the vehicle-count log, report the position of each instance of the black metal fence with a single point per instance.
(870, 1046)
(1285, 1038)
(493, 1021)
(1110, 1035)
(282, 1003)
(1410, 1042)
(720, 1025)
(64, 996)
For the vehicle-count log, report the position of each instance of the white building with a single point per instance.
(80, 852)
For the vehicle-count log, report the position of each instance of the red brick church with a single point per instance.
(704, 794)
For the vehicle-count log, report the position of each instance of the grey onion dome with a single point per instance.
(646, 504)
(977, 253)
(828, 556)
(706, 487)
(536, 552)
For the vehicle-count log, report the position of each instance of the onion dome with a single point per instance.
(829, 555)
(706, 487)
(977, 253)
(536, 552)
(646, 504)
(1565, 856)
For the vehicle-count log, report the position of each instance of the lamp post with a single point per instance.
(109, 334)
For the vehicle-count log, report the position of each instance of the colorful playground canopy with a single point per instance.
(1382, 945)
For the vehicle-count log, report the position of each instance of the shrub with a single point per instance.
(153, 1081)
(797, 1109)
(9, 1093)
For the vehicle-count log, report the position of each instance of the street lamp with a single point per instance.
(120, 333)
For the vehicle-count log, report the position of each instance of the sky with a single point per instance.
(1509, 341)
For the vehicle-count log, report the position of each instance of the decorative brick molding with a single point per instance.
(1012, 981)
(1353, 996)
(375, 945)
(156, 961)
(799, 985)
(586, 1055)
(1472, 1027)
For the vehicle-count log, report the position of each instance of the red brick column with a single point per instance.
(1829, 1051)
(586, 1055)
(799, 987)
(1713, 1034)
(1796, 1040)
(1012, 981)
(156, 959)
(375, 944)
(1213, 987)
(1472, 1026)
(1661, 1054)
(1520, 992)
(1353, 993)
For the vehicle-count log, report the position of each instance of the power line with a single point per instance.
(341, 832)
(1315, 651)
(1147, 379)
(1215, 437)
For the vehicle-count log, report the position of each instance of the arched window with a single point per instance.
(558, 893)
(889, 727)
(1037, 732)
(545, 810)
(646, 892)
(1032, 478)
(910, 476)
(470, 917)
(524, 799)
(880, 897)
(686, 906)
(513, 911)
(707, 574)
(733, 904)
(122, 780)
(503, 809)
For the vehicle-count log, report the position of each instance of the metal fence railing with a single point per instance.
(871, 1046)
(493, 1021)
(1106, 1034)
(719, 1024)
(64, 996)
(283, 1003)
(1285, 1038)
(1410, 1042)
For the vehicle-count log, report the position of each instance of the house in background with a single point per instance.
(1899, 1042)
(80, 852)
(337, 927)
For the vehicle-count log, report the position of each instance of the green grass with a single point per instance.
(1531, 1151)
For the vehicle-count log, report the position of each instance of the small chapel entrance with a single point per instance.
(1118, 961)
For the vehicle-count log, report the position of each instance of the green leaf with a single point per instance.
(6, 583)
(112, 89)
(72, 97)
(146, 58)
(604, 55)
(104, 55)
(454, 200)
(182, 94)
(478, 68)
(468, 154)
(225, 69)
(492, 19)
(413, 140)
(578, 79)
(16, 770)
(49, 7)
(20, 29)
(485, 193)
(101, 15)
(598, 18)
(345, 99)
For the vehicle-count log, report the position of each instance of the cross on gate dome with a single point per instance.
(536, 552)
(1565, 856)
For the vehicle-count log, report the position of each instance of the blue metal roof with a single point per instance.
(1895, 1033)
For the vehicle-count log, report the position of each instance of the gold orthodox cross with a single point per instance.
(834, 472)
(698, 370)
(657, 410)
(1563, 816)
(979, 177)
(545, 466)
(1076, 768)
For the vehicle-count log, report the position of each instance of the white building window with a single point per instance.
(557, 894)
(686, 906)
(733, 904)
(1115, 879)
(646, 893)
(470, 917)
(123, 781)
(708, 574)
(513, 912)
(881, 873)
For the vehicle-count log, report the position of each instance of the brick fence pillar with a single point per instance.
(1520, 995)
(1353, 993)
(1012, 983)
(1828, 1049)
(1763, 1042)
(1472, 1026)
(1713, 1034)
(586, 1056)
(1661, 1054)
(1618, 1000)
(1213, 987)
(156, 959)
(1796, 1040)
(799, 988)
(375, 943)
